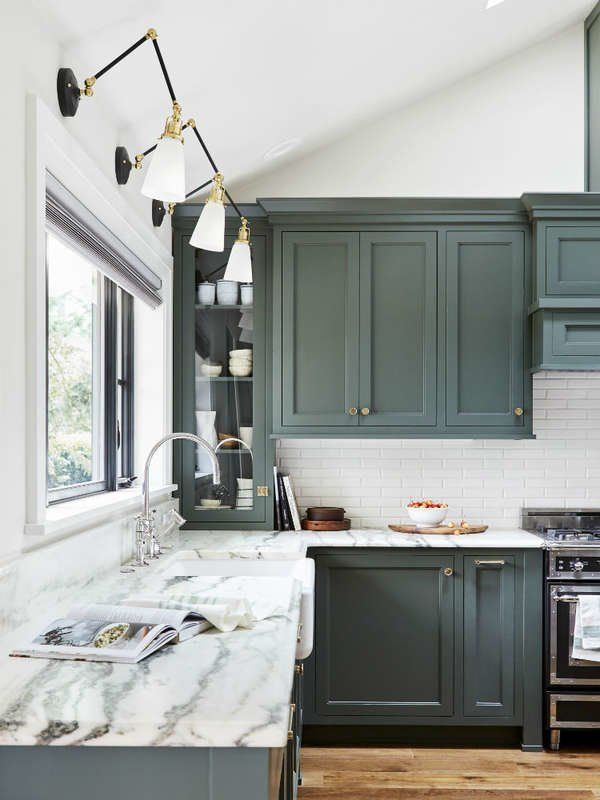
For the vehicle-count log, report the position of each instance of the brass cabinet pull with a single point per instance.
(518, 412)
(365, 411)
(565, 598)
(448, 572)
(299, 669)
(499, 563)
(291, 722)
(353, 411)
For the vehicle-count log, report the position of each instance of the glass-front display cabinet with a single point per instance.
(220, 379)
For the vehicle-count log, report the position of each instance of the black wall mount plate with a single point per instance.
(68, 92)
(158, 213)
(122, 165)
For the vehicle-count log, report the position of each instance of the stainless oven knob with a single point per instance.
(577, 566)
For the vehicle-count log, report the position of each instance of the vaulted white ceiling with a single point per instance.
(255, 74)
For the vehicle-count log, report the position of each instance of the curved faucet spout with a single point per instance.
(216, 470)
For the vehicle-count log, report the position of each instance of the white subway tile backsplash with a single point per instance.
(482, 480)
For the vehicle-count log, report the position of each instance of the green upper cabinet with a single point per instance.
(485, 326)
(217, 406)
(398, 328)
(566, 289)
(319, 316)
(402, 317)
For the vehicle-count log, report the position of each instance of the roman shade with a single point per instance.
(70, 219)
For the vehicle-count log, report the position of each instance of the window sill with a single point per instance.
(74, 516)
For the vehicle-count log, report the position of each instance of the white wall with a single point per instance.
(517, 126)
(482, 480)
(29, 59)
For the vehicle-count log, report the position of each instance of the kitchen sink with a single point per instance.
(185, 564)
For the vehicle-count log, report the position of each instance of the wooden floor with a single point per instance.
(389, 773)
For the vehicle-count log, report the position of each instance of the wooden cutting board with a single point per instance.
(443, 529)
(325, 525)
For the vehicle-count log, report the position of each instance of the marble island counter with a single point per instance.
(215, 690)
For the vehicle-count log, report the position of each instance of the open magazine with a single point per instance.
(124, 634)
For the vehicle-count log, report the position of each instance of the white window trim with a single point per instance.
(51, 148)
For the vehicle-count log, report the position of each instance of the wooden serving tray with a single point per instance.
(325, 524)
(443, 529)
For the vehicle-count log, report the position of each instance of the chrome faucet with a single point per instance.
(146, 542)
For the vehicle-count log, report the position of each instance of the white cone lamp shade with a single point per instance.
(239, 266)
(165, 179)
(209, 233)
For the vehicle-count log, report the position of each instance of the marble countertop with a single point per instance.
(235, 544)
(215, 690)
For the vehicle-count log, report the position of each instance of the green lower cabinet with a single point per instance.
(492, 629)
(384, 634)
(566, 340)
(441, 637)
(485, 329)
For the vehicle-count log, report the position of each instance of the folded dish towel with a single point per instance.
(586, 634)
(225, 611)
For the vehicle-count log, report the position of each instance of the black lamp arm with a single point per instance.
(149, 35)
(214, 166)
(123, 55)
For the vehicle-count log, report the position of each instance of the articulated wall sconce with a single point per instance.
(165, 177)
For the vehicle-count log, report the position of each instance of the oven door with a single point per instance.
(563, 669)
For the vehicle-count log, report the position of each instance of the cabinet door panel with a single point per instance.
(485, 328)
(398, 327)
(490, 635)
(384, 642)
(320, 328)
(572, 258)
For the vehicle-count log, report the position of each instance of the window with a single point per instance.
(89, 375)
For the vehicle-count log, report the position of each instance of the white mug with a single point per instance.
(246, 435)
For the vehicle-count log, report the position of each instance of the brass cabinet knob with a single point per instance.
(518, 412)
(353, 411)
(448, 572)
(365, 412)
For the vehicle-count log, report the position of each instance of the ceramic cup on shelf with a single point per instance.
(227, 293)
(206, 293)
(246, 435)
(247, 294)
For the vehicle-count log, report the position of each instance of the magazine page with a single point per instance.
(187, 622)
(98, 640)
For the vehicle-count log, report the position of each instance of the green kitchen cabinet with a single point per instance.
(565, 312)
(485, 328)
(398, 328)
(425, 637)
(391, 318)
(223, 405)
(566, 339)
(319, 312)
(492, 628)
(384, 634)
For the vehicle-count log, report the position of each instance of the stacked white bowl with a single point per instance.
(244, 493)
(240, 363)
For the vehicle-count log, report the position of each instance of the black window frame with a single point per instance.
(118, 386)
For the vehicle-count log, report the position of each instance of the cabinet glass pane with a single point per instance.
(224, 413)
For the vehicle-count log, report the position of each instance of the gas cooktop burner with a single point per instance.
(573, 535)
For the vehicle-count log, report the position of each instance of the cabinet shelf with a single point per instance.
(218, 307)
(224, 379)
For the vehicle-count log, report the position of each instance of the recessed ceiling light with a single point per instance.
(492, 3)
(281, 149)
